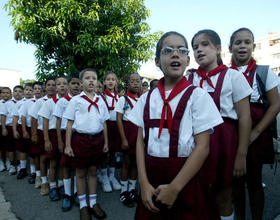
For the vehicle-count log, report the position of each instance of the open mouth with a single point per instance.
(200, 56)
(242, 52)
(175, 64)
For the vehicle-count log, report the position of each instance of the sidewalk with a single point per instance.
(5, 208)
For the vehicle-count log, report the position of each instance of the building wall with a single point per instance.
(9, 78)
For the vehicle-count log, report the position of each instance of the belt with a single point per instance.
(90, 135)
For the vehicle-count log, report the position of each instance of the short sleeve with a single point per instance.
(240, 86)
(45, 110)
(120, 105)
(272, 80)
(136, 116)
(58, 109)
(70, 110)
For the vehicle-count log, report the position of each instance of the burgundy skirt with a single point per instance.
(114, 139)
(88, 150)
(21, 143)
(8, 141)
(37, 149)
(65, 161)
(130, 131)
(54, 154)
(191, 203)
(261, 150)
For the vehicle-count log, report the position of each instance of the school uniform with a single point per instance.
(114, 140)
(261, 150)
(168, 144)
(2, 101)
(38, 149)
(87, 138)
(227, 87)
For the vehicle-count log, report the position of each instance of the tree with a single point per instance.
(70, 35)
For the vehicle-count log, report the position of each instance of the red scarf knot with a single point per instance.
(14, 101)
(91, 102)
(55, 99)
(132, 96)
(67, 97)
(251, 67)
(179, 87)
(115, 96)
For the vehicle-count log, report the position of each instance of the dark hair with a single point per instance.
(81, 74)
(28, 85)
(192, 70)
(128, 78)
(213, 37)
(73, 76)
(239, 30)
(159, 43)
(152, 83)
(18, 87)
(109, 73)
(37, 83)
(6, 88)
(49, 79)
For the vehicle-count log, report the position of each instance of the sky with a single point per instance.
(184, 16)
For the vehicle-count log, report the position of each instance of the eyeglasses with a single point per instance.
(169, 50)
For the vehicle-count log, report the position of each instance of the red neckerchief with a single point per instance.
(251, 67)
(180, 86)
(55, 99)
(33, 100)
(91, 102)
(130, 95)
(204, 76)
(67, 97)
(115, 96)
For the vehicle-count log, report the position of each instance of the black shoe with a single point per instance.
(53, 194)
(61, 191)
(133, 195)
(22, 173)
(125, 199)
(67, 203)
(31, 178)
(76, 199)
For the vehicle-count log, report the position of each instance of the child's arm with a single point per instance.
(15, 132)
(68, 149)
(273, 109)
(23, 126)
(147, 190)
(105, 132)
(167, 194)
(59, 137)
(34, 135)
(48, 144)
(244, 128)
(121, 130)
(4, 128)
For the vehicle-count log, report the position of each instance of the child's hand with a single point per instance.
(125, 145)
(239, 165)
(16, 135)
(166, 195)
(147, 192)
(34, 139)
(4, 131)
(48, 146)
(25, 135)
(60, 145)
(254, 135)
(105, 148)
(69, 151)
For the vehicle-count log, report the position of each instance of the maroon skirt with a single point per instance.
(191, 203)
(261, 150)
(8, 141)
(130, 131)
(114, 139)
(54, 154)
(88, 150)
(37, 149)
(21, 143)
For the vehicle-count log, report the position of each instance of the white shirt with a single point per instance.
(24, 109)
(113, 113)
(7, 110)
(87, 122)
(59, 110)
(201, 114)
(46, 111)
(272, 81)
(16, 109)
(2, 101)
(235, 88)
(35, 110)
(123, 107)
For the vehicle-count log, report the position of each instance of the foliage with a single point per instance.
(70, 35)
(24, 81)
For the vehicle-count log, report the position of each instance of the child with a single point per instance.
(128, 133)
(61, 124)
(87, 115)
(230, 93)
(153, 83)
(174, 147)
(261, 146)
(26, 130)
(37, 136)
(111, 98)
(50, 138)
(21, 145)
(6, 94)
(99, 88)
(7, 130)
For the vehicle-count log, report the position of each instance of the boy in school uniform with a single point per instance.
(74, 84)
(50, 138)
(7, 122)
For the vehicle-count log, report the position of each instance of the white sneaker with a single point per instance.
(115, 183)
(38, 182)
(12, 170)
(8, 164)
(106, 186)
(2, 166)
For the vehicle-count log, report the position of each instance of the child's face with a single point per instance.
(6, 94)
(205, 52)
(28, 92)
(50, 88)
(98, 88)
(89, 81)
(173, 64)
(110, 82)
(18, 93)
(37, 91)
(242, 47)
(134, 83)
(75, 86)
(61, 86)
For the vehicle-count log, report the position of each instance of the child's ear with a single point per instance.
(254, 47)
(230, 49)
(157, 61)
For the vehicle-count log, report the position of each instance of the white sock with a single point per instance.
(22, 164)
(83, 201)
(52, 185)
(230, 217)
(60, 183)
(75, 184)
(111, 172)
(44, 179)
(131, 185)
(92, 200)
(48, 172)
(38, 173)
(67, 186)
(32, 168)
(104, 172)
(124, 186)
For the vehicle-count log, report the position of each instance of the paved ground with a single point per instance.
(28, 204)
